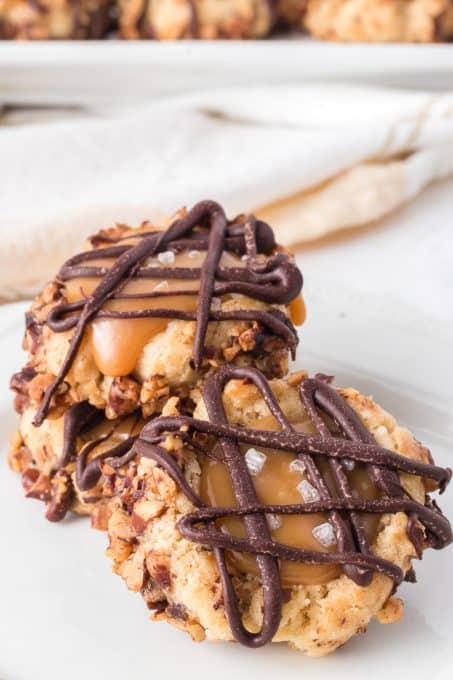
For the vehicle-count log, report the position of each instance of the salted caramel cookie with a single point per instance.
(380, 20)
(54, 19)
(142, 314)
(195, 19)
(283, 511)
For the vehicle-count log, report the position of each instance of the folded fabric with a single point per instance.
(312, 159)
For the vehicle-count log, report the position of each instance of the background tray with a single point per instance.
(77, 72)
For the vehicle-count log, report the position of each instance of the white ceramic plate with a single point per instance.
(77, 72)
(65, 616)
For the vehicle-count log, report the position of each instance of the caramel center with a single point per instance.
(112, 433)
(281, 481)
(117, 343)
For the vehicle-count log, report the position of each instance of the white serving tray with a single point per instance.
(77, 72)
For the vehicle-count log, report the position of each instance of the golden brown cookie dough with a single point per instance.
(380, 20)
(199, 19)
(54, 19)
(321, 606)
(141, 345)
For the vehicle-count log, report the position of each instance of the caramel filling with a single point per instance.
(297, 310)
(112, 433)
(117, 344)
(280, 483)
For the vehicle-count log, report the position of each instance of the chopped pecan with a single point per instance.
(118, 551)
(158, 566)
(133, 571)
(120, 525)
(36, 485)
(158, 606)
(122, 397)
(171, 407)
(297, 377)
(100, 516)
(179, 617)
(154, 392)
(33, 333)
(38, 385)
(20, 384)
(274, 364)
(138, 523)
(111, 234)
(51, 292)
(62, 494)
(177, 611)
(19, 458)
(147, 510)
(247, 339)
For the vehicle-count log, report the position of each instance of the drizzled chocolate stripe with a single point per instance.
(77, 419)
(88, 474)
(356, 444)
(275, 281)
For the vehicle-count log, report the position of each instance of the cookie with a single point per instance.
(195, 19)
(380, 20)
(283, 511)
(54, 19)
(143, 314)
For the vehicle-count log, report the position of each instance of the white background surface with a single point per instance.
(380, 318)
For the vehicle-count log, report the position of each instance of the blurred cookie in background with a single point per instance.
(54, 19)
(380, 20)
(195, 19)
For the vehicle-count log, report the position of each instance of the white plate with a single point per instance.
(75, 72)
(380, 318)
(64, 616)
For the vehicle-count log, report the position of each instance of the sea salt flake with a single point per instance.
(160, 286)
(255, 461)
(348, 464)
(216, 304)
(274, 521)
(309, 493)
(325, 534)
(193, 254)
(297, 465)
(244, 258)
(167, 257)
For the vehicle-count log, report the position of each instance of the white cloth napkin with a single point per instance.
(310, 159)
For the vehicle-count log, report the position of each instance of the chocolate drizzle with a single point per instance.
(274, 280)
(79, 419)
(355, 443)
